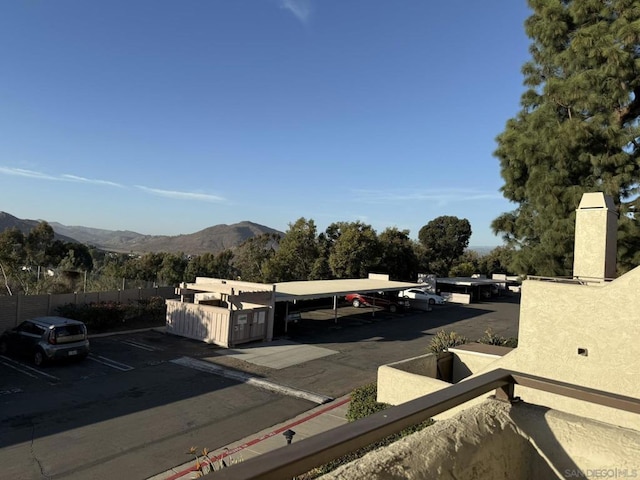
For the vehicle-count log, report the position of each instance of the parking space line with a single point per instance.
(9, 391)
(148, 348)
(14, 364)
(110, 363)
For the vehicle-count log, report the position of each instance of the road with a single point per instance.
(129, 412)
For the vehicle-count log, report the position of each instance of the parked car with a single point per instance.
(380, 299)
(45, 339)
(419, 294)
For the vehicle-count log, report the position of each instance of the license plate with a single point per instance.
(72, 352)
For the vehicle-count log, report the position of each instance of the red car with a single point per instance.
(381, 299)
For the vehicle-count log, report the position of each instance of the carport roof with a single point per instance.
(309, 290)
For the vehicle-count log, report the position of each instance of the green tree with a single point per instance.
(12, 258)
(73, 257)
(147, 267)
(498, 260)
(297, 253)
(398, 256)
(466, 265)
(444, 240)
(172, 269)
(321, 269)
(577, 131)
(109, 270)
(355, 249)
(252, 256)
(210, 265)
(38, 243)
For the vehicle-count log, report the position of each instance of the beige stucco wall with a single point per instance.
(480, 443)
(557, 319)
(466, 363)
(402, 381)
(499, 440)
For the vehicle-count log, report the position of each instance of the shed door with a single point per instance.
(249, 326)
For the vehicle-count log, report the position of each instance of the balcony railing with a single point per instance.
(572, 280)
(303, 456)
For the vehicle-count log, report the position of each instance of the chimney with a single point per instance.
(594, 255)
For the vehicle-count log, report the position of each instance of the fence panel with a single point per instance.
(8, 311)
(111, 296)
(16, 308)
(130, 295)
(60, 300)
(32, 306)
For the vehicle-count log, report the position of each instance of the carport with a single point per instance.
(314, 289)
(230, 312)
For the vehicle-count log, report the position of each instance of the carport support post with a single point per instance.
(286, 315)
(335, 308)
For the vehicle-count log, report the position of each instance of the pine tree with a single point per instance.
(578, 130)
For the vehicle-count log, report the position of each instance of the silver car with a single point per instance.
(45, 339)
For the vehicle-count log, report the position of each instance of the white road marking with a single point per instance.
(19, 366)
(143, 346)
(9, 391)
(110, 363)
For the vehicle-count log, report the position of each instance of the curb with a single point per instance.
(181, 471)
(208, 367)
(125, 332)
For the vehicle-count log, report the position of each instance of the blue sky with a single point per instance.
(167, 117)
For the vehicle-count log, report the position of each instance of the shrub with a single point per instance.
(492, 339)
(105, 316)
(364, 402)
(442, 341)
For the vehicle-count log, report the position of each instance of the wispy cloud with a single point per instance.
(75, 178)
(203, 197)
(301, 9)
(194, 196)
(20, 172)
(439, 196)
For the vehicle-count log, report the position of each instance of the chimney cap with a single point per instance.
(596, 200)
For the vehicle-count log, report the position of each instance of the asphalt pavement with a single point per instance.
(142, 400)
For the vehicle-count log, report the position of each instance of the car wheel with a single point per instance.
(355, 302)
(432, 301)
(39, 358)
(393, 308)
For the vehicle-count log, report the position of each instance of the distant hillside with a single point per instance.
(213, 239)
(481, 250)
(8, 221)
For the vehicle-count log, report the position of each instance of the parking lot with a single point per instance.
(125, 352)
(109, 355)
(130, 410)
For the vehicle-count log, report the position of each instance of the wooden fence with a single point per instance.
(17, 308)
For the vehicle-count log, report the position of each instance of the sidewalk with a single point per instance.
(317, 420)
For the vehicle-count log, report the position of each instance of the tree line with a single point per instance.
(343, 250)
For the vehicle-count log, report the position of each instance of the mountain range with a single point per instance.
(212, 239)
